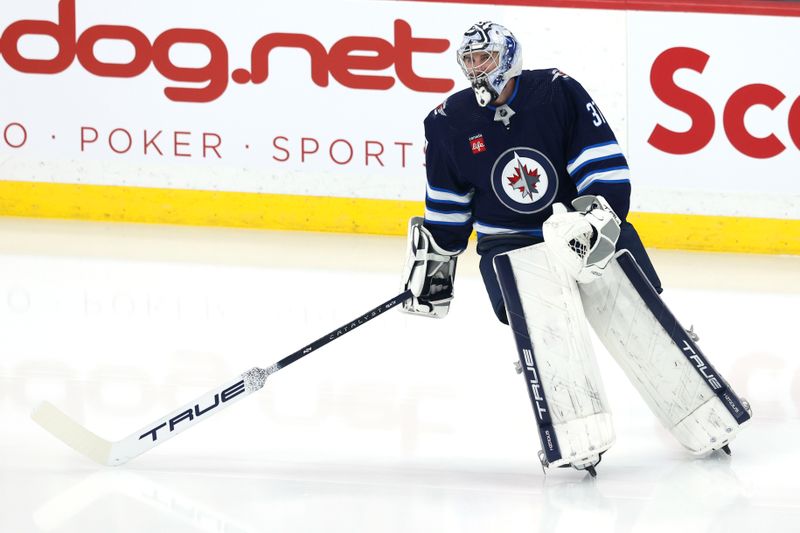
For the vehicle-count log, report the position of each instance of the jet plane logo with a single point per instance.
(524, 180)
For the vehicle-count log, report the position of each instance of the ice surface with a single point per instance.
(408, 424)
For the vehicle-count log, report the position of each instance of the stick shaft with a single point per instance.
(335, 334)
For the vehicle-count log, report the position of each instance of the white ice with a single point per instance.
(406, 424)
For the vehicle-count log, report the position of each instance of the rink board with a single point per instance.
(351, 215)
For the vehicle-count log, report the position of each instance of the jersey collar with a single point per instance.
(513, 95)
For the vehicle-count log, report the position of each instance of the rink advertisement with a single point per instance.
(280, 120)
(713, 117)
(268, 106)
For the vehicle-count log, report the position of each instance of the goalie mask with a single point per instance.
(490, 56)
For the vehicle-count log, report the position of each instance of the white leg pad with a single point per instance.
(545, 312)
(667, 368)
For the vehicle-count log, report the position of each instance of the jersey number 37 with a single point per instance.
(598, 118)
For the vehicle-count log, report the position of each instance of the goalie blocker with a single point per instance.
(429, 273)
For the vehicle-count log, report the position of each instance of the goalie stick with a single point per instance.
(114, 453)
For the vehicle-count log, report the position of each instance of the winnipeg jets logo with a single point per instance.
(524, 180)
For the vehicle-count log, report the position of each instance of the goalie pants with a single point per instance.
(492, 245)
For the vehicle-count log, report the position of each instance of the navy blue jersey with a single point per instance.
(498, 170)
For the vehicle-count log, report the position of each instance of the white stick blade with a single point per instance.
(71, 433)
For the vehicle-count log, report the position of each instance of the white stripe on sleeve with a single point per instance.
(617, 174)
(455, 217)
(593, 153)
(443, 195)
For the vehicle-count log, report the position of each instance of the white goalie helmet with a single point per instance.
(490, 57)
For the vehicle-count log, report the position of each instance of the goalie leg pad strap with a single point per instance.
(668, 369)
(555, 352)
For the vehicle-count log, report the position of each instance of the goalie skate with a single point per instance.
(556, 358)
(662, 359)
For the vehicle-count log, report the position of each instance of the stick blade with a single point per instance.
(74, 435)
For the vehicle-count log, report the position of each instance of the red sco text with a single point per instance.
(702, 114)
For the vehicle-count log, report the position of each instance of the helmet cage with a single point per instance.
(479, 63)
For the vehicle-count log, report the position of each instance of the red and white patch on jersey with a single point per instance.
(477, 144)
(440, 109)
